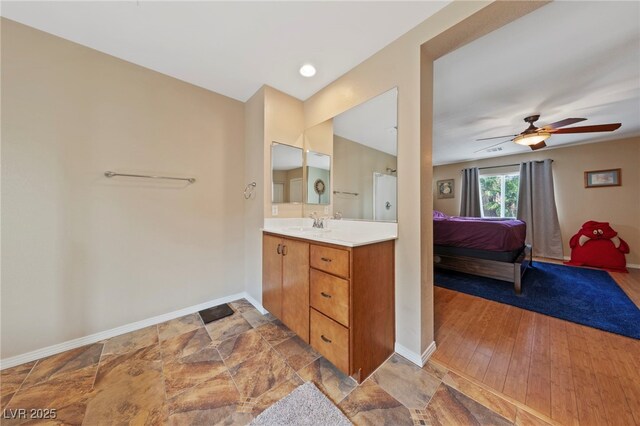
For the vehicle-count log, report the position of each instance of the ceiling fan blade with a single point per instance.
(491, 146)
(589, 129)
(537, 146)
(497, 137)
(562, 123)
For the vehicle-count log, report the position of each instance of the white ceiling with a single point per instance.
(372, 123)
(232, 48)
(566, 59)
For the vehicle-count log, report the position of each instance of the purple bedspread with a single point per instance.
(478, 233)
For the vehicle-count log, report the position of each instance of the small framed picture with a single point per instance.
(600, 178)
(445, 188)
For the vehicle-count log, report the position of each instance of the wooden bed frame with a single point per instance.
(506, 271)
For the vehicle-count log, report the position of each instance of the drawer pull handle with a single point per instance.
(325, 259)
(279, 249)
(325, 339)
(328, 296)
(284, 250)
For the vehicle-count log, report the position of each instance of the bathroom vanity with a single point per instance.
(335, 289)
(334, 285)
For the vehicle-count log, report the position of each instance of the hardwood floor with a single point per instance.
(629, 283)
(569, 373)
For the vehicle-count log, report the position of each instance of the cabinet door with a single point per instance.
(295, 287)
(272, 275)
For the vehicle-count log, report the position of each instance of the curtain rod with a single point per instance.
(508, 165)
(495, 167)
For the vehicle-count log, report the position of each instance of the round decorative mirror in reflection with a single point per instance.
(319, 186)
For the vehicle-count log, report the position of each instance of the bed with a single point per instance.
(493, 248)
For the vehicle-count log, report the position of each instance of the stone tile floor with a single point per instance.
(229, 371)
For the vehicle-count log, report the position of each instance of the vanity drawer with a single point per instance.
(330, 295)
(334, 261)
(330, 339)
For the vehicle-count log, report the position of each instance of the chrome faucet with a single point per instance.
(318, 222)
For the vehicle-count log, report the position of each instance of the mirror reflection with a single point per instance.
(318, 178)
(286, 174)
(365, 160)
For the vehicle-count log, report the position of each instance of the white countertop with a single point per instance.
(349, 233)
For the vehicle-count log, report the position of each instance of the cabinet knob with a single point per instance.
(284, 250)
(279, 249)
(325, 259)
(323, 294)
(325, 339)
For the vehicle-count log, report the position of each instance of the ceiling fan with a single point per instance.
(534, 137)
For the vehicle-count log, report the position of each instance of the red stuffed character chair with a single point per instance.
(598, 245)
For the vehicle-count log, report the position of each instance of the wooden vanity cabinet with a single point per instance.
(348, 305)
(285, 282)
(272, 274)
(360, 284)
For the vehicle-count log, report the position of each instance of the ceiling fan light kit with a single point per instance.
(531, 138)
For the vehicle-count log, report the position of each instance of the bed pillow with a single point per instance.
(439, 215)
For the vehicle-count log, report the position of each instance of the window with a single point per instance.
(499, 194)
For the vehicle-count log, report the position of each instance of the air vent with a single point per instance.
(499, 148)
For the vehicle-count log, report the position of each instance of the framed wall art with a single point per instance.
(445, 188)
(602, 178)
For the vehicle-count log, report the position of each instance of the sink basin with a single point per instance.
(300, 228)
(322, 230)
(308, 230)
(318, 232)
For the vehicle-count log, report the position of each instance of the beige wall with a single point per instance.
(270, 116)
(255, 170)
(576, 204)
(319, 138)
(354, 165)
(82, 253)
(283, 123)
(398, 65)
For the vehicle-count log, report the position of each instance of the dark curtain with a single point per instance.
(470, 195)
(537, 208)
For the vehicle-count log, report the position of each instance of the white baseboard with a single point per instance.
(255, 303)
(629, 265)
(415, 357)
(428, 352)
(127, 328)
(412, 356)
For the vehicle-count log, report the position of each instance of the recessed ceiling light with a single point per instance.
(307, 70)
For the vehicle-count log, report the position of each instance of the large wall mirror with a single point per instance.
(287, 184)
(365, 160)
(318, 178)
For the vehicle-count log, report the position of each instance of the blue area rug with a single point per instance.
(584, 296)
